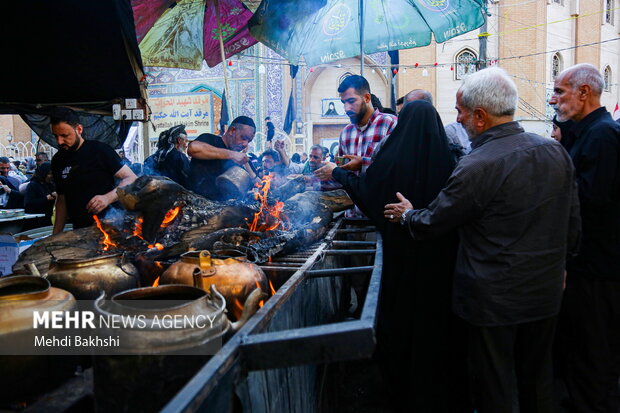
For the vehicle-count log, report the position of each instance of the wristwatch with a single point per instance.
(404, 216)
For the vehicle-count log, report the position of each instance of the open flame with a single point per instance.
(159, 269)
(273, 290)
(261, 302)
(238, 309)
(170, 216)
(137, 232)
(268, 216)
(107, 242)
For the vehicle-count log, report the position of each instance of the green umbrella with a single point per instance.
(326, 30)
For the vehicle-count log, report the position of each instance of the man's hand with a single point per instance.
(97, 204)
(324, 173)
(354, 164)
(278, 145)
(393, 212)
(239, 157)
(6, 188)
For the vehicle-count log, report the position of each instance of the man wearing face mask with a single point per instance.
(368, 127)
(84, 172)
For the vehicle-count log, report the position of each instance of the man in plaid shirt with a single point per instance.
(368, 127)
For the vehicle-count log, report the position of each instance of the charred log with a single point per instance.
(79, 243)
(309, 212)
(284, 192)
(154, 197)
(199, 224)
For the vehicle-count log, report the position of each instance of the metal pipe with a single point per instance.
(286, 264)
(338, 271)
(355, 230)
(361, 37)
(346, 244)
(350, 252)
(289, 259)
(274, 268)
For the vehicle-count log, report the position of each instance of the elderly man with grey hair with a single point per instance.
(514, 202)
(589, 328)
(419, 94)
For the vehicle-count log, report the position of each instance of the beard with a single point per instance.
(560, 115)
(357, 117)
(74, 147)
(471, 132)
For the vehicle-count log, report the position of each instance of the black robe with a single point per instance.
(420, 342)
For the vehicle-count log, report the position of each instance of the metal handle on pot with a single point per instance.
(122, 262)
(250, 307)
(204, 259)
(215, 292)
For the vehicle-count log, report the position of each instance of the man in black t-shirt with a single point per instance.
(84, 172)
(213, 155)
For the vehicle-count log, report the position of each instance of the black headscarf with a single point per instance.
(565, 128)
(41, 172)
(166, 143)
(415, 160)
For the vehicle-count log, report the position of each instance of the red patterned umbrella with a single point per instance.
(183, 33)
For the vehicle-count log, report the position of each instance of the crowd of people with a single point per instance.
(27, 184)
(501, 264)
(500, 288)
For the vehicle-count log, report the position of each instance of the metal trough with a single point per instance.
(276, 362)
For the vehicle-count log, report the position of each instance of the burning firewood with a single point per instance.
(163, 220)
(310, 214)
(154, 197)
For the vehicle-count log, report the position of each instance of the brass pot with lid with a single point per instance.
(86, 278)
(235, 277)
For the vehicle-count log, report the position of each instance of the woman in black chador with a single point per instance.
(40, 195)
(420, 344)
(170, 160)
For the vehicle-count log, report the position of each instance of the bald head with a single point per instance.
(583, 74)
(577, 92)
(419, 94)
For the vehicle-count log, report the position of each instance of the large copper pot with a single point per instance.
(20, 295)
(86, 278)
(22, 376)
(234, 277)
(165, 358)
(235, 181)
(166, 300)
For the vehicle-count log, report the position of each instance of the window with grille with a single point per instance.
(609, 11)
(556, 65)
(607, 79)
(465, 64)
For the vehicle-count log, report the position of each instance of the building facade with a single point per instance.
(533, 40)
